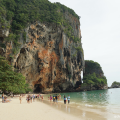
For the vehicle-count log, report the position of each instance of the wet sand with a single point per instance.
(80, 112)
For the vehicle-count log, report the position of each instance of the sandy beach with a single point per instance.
(32, 111)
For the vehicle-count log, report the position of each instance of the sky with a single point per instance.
(100, 29)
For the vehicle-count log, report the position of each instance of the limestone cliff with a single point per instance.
(47, 57)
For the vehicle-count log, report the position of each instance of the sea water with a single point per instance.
(105, 102)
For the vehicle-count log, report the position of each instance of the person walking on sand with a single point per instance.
(68, 99)
(20, 98)
(31, 98)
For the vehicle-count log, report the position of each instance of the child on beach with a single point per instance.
(20, 98)
(50, 98)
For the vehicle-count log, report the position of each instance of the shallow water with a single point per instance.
(102, 102)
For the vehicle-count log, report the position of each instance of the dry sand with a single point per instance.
(33, 111)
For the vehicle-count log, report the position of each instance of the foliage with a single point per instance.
(76, 39)
(11, 81)
(92, 66)
(74, 55)
(24, 36)
(94, 80)
(2, 45)
(63, 8)
(93, 73)
(83, 84)
(27, 88)
(68, 68)
(23, 12)
(115, 83)
(14, 38)
(78, 48)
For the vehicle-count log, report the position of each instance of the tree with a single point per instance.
(11, 81)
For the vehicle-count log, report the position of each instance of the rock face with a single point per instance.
(115, 85)
(47, 58)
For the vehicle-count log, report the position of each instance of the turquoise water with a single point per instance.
(108, 99)
(92, 105)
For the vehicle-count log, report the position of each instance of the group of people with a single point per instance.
(55, 98)
(4, 99)
(66, 99)
(29, 98)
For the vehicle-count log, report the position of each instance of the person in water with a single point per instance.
(53, 98)
(64, 99)
(50, 97)
(68, 99)
(59, 97)
(56, 97)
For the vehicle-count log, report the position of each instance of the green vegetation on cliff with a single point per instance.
(91, 67)
(11, 81)
(94, 80)
(17, 14)
(93, 74)
(115, 83)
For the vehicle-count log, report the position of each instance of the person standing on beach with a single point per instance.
(20, 98)
(68, 99)
(33, 97)
(3, 98)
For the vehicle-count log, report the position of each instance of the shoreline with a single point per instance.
(55, 110)
(43, 110)
(80, 112)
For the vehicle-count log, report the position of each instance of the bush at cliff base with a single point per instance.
(11, 81)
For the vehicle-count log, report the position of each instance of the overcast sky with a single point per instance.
(100, 27)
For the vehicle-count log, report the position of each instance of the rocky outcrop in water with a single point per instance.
(115, 85)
